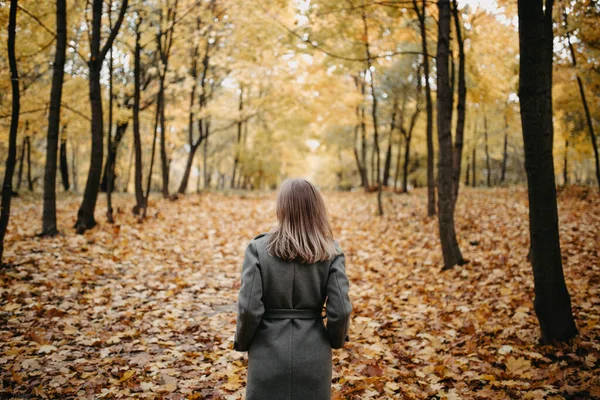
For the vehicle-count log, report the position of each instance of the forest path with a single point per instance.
(149, 309)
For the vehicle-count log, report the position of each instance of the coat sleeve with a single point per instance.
(250, 305)
(338, 304)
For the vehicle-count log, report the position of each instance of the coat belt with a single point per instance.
(291, 313)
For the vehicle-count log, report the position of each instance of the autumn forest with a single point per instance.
(455, 142)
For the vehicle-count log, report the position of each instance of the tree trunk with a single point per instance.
(29, 181)
(429, 108)
(388, 154)
(14, 124)
(359, 167)
(109, 176)
(188, 168)
(552, 300)
(487, 153)
(111, 159)
(363, 127)
(165, 41)
(49, 226)
(474, 163)
(205, 164)
(64, 164)
(374, 116)
(461, 104)
(405, 165)
(565, 164)
(137, 142)
(85, 215)
(450, 250)
(505, 152)
(22, 157)
(163, 144)
(193, 145)
(236, 156)
(398, 162)
(467, 176)
(149, 181)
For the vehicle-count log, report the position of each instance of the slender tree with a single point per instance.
(566, 164)
(85, 215)
(505, 150)
(111, 149)
(164, 41)
(488, 167)
(428, 106)
(236, 156)
(461, 103)
(450, 250)
(387, 166)
(64, 165)
(474, 165)
(552, 301)
(14, 125)
(373, 113)
(137, 142)
(194, 143)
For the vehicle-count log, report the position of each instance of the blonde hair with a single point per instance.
(303, 232)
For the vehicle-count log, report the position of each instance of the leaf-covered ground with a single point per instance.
(148, 310)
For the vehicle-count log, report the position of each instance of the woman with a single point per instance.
(287, 276)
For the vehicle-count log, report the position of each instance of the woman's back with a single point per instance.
(280, 320)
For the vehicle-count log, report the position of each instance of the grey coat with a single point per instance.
(279, 323)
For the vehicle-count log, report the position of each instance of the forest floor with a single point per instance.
(148, 310)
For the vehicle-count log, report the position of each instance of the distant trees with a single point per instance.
(552, 302)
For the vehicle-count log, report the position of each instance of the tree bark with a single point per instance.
(163, 144)
(111, 159)
(137, 142)
(111, 148)
(450, 250)
(565, 164)
(85, 215)
(429, 108)
(29, 181)
(64, 164)
(460, 105)
(24, 144)
(14, 125)
(552, 302)
(49, 227)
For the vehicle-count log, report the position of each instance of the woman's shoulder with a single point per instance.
(259, 240)
(260, 235)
